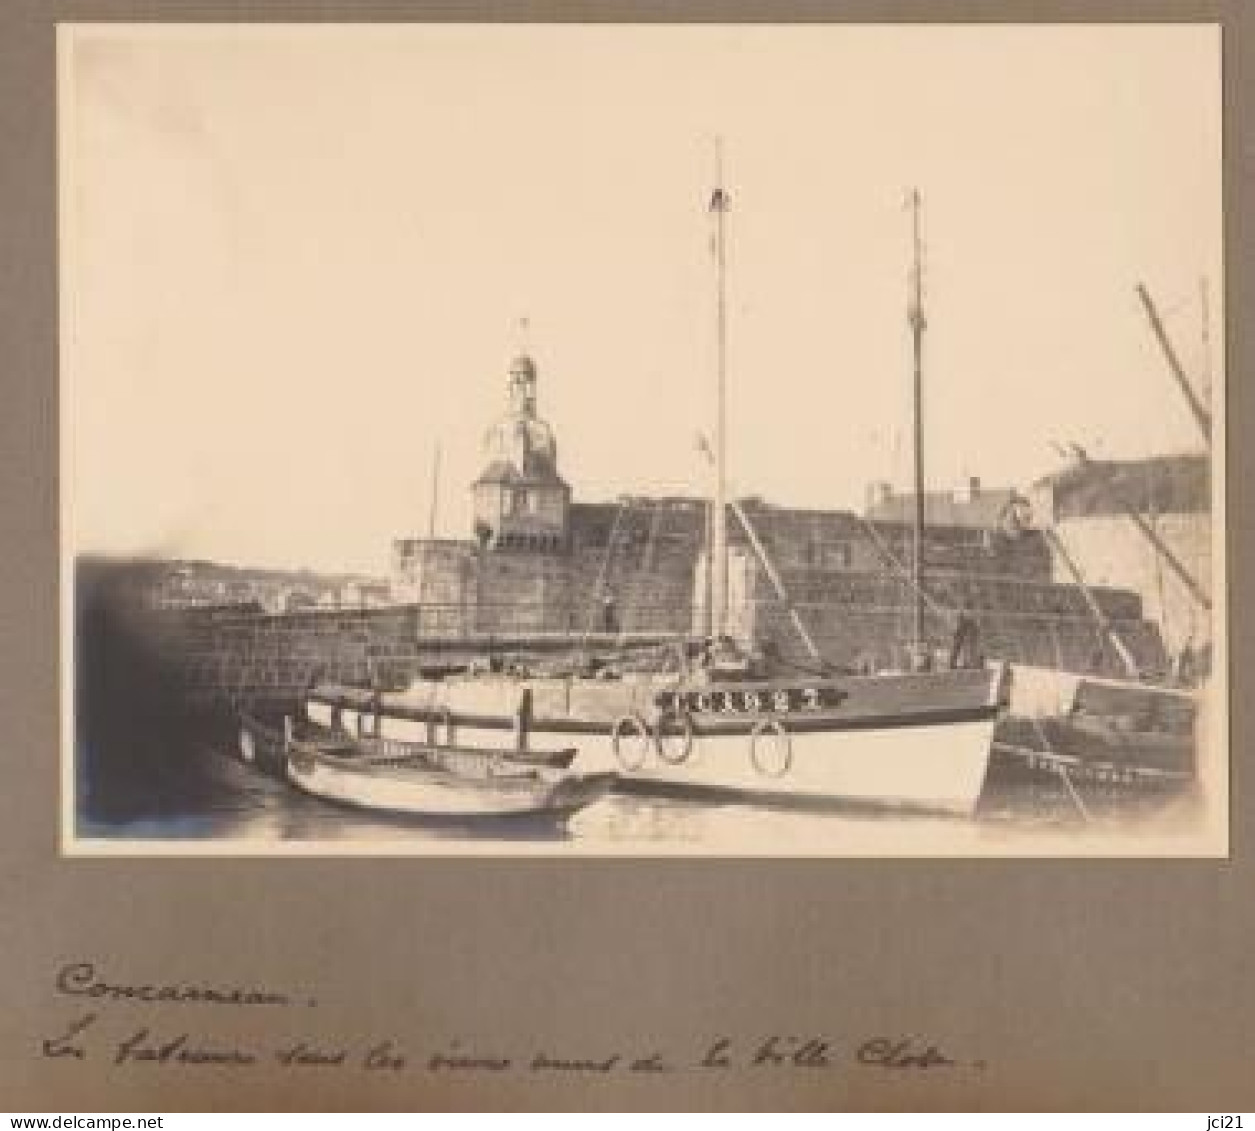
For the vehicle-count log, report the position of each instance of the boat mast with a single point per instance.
(915, 317)
(425, 560)
(435, 493)
(718, 517)
(1205, 320)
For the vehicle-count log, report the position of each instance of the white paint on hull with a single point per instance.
(433, 794)
(320, 713)
(939, 767)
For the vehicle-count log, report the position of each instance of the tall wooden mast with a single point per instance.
(915, 317)
(719, 516)
(435, 493)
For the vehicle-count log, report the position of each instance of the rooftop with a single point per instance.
(977, 508)
(1173, 484)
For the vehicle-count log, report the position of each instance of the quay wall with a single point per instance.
(875, 637)
(1109, 549)
(212, 659)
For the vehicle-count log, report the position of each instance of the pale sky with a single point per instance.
(295, 258)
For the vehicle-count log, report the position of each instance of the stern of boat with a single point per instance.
(577, 791)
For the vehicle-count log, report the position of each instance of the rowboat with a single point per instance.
(415, 779)
(412, 786)
(343, 724)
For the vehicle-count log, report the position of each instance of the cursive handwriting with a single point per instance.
(79, 979)
(129, 1044)
(67, 1043)
(902, 1053)
(809, 1053)
(142, 1047)
(543, 1062)
(302, 1055)
(458, 1060)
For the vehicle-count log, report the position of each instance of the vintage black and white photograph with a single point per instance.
(642, 440)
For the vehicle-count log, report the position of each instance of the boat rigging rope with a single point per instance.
(602, 573)
(1061, 770)
(902, 572)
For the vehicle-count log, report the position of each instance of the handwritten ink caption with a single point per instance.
(105, 1030)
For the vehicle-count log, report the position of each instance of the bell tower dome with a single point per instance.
(523, 385)
(520, 499)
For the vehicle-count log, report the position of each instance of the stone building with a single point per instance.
(1089, 506)
(541, 563)
(976, 507)
(520, 499)
(847, 579)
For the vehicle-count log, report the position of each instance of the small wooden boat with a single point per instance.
(436, 753)
(265, 746)
(1103, 742)
(419, 779)
(412, 784)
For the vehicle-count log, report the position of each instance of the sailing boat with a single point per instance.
(712, 722)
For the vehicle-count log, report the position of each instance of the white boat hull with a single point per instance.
(936, 764)
(428, 793)
(937, 768)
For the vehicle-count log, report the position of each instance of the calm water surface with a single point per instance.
(221, 799)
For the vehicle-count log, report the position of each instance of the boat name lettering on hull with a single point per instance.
(746, 701)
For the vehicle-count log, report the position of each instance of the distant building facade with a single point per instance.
(520, 499)
(538, 562)
(1089, 505)
(975, 508)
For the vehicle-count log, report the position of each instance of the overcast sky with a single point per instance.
(295, 259)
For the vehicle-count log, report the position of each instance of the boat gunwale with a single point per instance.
(711, 724)
(514, 778)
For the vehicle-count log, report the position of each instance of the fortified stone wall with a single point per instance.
(866, 620)
(260, 659)
(799, 539)
(647, 556)
(647, 572)
(1107, 548)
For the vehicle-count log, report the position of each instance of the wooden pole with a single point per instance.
(917, 322)
(719, 518)
(1201, 416)
(435, 493)
(903, 572)
(1152, 536)
(776, 581)
(1174, 563)
(1121, 649)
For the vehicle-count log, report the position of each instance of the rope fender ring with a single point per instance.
(674, 724)
(762, 745)
(630, 739)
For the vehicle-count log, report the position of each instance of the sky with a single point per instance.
(295, 260)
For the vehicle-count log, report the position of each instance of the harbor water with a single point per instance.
(214, 802)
